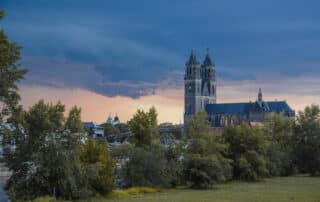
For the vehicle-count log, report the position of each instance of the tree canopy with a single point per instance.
(144, 126)
(10, 74)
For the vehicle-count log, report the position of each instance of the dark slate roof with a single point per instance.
(193, 58)
(279, 106)
(244, 108)
(207, 61)
(228, 108)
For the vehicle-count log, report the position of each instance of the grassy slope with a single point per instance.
(298, 189)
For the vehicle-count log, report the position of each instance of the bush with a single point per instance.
(173, 168)
(278, 131)
(205, 163)
(146, 167)
(203, 172)
(306, 140)
(247, 149)
(279, 161)
(98, 166)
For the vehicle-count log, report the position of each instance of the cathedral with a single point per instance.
(200, 94)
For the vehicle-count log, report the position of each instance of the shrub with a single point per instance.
(98, 166)
(146, 167)
(306, 140)
(247, 150)
(203, 172)
(205, 163)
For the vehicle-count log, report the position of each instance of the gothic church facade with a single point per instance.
(200, 94)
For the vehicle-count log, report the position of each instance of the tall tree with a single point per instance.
(144, 125)
(307, 140)
(74, 123)
(99, 167)
(45, 162)
(10, 74)
(247, 149)
(278, 131)
(205, 162)
(198, 126)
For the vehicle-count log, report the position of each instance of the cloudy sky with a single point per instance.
(117, 56)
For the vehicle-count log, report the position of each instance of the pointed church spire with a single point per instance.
(260, 95)
(207, 60)
(193, 58)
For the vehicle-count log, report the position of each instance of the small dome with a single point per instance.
(109, 119)
(116, 118)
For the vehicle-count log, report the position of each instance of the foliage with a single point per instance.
(74, 123)
(98, 166)
(45, 152)
(10, 74)
(173, 168)
(247, 150)
(205, 163)
(278, 131)
(110, 129)
(307, 140)
(146, 167)
(172, 130)
(198, 126)
(205, 171)
(122, 127)
(144, 125)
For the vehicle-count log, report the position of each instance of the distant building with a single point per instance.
(113, 121)
(94, 130)
(11, 128)
(200, 94)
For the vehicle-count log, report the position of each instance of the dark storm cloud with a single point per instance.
(134, 47)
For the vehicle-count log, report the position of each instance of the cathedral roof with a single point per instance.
(228, 108)
(244, 108)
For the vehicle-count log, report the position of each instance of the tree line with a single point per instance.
(49, 153)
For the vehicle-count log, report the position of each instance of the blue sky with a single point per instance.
(133, 48)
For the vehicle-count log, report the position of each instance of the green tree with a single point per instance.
(98, 165)
(123, 128)
(10, 74)
(144, 126)
(247, 149)
(205, 162)
(45, 159)
(198, 126)
(74, 123)
(110, 129)
(278, 131)
(307, 140)
(174, 168)
(146, 167)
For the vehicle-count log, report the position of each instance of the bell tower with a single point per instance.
(192, 87)
(208, 84)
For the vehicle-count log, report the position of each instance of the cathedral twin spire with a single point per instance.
(193, 59)
(193, 67)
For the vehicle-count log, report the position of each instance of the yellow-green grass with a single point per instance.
(291, 189)
(299, 189)
(134, 191)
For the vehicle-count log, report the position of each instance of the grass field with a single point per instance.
(300, 189)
